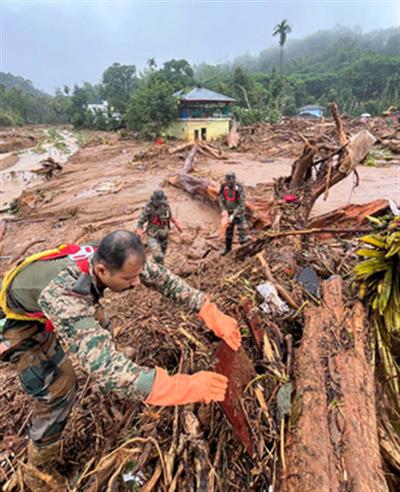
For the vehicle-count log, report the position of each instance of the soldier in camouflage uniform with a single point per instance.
(232, 202)
(158, 216)
(65, 291)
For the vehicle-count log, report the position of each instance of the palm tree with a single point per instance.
(152, 64)
(283, 29)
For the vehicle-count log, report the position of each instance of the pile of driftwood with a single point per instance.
(197, 147)
(285, 139)
(387, 136)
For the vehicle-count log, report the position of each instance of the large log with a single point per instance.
(334, 445)
(361, 453)
(260, 211)
(189, 161)
(233, 138)
(349, 216)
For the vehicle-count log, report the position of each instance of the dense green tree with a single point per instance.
(152, 107)
(177, 73)
(241, 86)
(79, 114)
(119, 82)
(59, 107)
(246, 90)
(93, 92)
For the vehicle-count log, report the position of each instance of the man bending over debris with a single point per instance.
(158, 216)
(232, 200)
(52, 298)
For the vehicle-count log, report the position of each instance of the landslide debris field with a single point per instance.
(307, 409)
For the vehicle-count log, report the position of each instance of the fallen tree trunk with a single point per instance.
(334, 444)
(188, 164)
(350, 215)
(260, 211)
(199, 188)
(233, 138)
(212, 151)
(180, 148)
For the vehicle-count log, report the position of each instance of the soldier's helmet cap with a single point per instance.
(158, 196)
(230, 177)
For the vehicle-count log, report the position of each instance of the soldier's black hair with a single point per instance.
(115, 248)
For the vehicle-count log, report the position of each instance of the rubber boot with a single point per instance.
(228, 246)
(41, 461)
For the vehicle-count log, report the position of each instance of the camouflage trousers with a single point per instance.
(158, 246)
(46, 375)
(240, 222)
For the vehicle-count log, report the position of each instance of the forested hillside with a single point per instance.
(359, 71)
(9, 80)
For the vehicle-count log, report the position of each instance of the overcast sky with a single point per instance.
(53, 43)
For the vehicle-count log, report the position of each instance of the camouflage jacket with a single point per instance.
(237, 205)
(72, 313)
(161, 214)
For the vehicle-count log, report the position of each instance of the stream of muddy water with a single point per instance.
(17, 177)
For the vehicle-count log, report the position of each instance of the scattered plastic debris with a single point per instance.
(272, 304)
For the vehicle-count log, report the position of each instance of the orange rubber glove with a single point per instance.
(223, 225)
(204, 386)
(175, 221)
(221, 325)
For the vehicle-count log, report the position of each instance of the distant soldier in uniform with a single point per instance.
(232, 202)
(158, 216)
(51, 307)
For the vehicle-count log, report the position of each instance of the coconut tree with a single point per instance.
(152, 64)
(282, 29)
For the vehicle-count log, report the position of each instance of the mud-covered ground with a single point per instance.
(103, 186)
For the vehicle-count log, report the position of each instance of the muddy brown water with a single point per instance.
(17, 174)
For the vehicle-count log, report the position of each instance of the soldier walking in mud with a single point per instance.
(51, 307)
(232, 199)
(158, 216)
